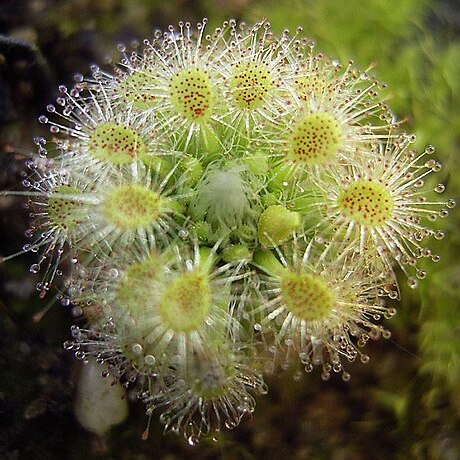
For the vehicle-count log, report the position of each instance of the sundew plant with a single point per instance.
(227, 204)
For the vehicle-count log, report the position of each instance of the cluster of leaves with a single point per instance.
(230, 203)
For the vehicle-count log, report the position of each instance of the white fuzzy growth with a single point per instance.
(223, 197)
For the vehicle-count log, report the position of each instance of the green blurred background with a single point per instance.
(404, 404)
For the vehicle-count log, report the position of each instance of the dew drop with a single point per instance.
(337, 367)
(391, 312)
(439, 235)
(137, 349)
(443, 213)
(426, 252)
(386, 334)
(303, 357)
(183, 233)
(440, 188)
(34, 268)
(80, 355)
(451, 203)
(412, 282)
(76, 312)
(230, 424)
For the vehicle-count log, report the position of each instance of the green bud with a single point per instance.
(276, 225)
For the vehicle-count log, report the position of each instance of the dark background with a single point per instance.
(404, 404)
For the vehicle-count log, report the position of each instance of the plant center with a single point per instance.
(191, 94)
(306, 296)
(116, 144)
(314, 139)
(308, 86)
(250, 83)
(128, 207)
(186, 302)
(367, 203)
(138, 88)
